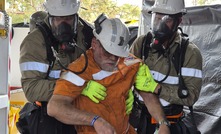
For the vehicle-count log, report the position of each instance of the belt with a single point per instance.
(170, 118)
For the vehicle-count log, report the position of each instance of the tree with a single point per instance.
(93, 9)
(21, 10)
(201, 2)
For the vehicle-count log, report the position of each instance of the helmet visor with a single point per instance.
(64, 27)
(161, 22)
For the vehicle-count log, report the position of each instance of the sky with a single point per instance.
(133, 2)
(188, 3)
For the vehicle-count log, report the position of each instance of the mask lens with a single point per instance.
(159, 21)
(70, 18)
(162, 26)
(63, 27)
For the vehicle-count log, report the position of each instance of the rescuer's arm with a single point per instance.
(192, 75)
(34, 66)
(155, 109)
(147, 88)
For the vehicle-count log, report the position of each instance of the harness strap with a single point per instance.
(50, 41)
(172, 118)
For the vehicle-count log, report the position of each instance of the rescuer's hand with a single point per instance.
(129, 102)
(144, 80)
(94, 91)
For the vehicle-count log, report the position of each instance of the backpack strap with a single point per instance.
(178, 60)
(179, 54)
(182, 86)
(146, 46)
(50, 41)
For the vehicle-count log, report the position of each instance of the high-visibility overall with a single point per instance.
(118, 83)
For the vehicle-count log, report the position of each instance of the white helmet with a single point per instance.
(62, 7)
(113, 35)
(168, 7)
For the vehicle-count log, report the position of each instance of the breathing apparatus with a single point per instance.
(164, 24)
(163, 14)
(63, 20)
(65, 32)
(163, 28)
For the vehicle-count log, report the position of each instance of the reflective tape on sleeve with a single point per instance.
(34, 66)
(170, 79)
(55, 74)
(192, 72)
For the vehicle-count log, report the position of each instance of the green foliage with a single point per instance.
(21, 10)
(201, 2)
(93, 8)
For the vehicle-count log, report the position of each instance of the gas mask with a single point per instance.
(163, 28)
(65, 32)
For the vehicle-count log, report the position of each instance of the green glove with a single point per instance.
(94, 91)
(144, 80)
(129, 102)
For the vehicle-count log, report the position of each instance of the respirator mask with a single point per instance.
(163, 28)
(64, 29)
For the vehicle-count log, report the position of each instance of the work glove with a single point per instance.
(94, 91)
(129, 102)
(144, 80)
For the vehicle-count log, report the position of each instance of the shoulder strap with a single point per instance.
(183, 47)
(146, 46)
(179, 54)
(50, 41)
(178, 60)
(184, 44)
(88, 32)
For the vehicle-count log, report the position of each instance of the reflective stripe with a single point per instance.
(114, 30)
(159, 76)
(73, 78)
(34, 66)
(191, 72)
(55, 74)
(101, 75)
(164, 102)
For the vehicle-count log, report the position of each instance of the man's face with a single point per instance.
(104, 59)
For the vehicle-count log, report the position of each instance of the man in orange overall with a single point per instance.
(111, 65)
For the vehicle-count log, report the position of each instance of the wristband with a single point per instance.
(94, 119)
(165, 122)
